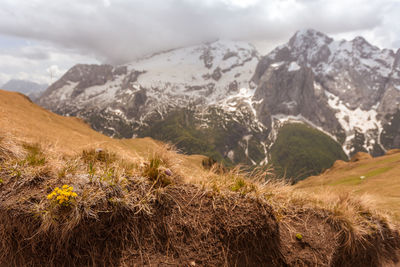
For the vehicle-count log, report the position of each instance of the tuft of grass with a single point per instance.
(91, 170)
(109, 175)
(156, 170)
(35, 156)
(238, 184)
(98, 155)
(15, 171)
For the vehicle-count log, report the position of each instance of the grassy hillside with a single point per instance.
(377, 177)
(301, 151)
(28, 122)
(138, 203)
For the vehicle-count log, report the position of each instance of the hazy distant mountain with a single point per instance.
(225, 92)
(31, 89)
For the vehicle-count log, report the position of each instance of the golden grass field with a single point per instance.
(379, 178)
(28, 122)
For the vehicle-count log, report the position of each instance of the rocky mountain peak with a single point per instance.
(308, 38)
(360, 41)
(344, 88)
(354, 80)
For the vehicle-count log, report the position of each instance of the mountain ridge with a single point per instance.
(347, 89)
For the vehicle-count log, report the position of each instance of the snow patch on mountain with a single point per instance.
(349, 119)
(364, 121)
(293, 66)
(213, 71)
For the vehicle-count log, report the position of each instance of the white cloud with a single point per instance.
(106, 3)
(122, 30)
(33, 60)
(65, 32)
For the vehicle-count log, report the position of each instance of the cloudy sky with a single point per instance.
(41, 39)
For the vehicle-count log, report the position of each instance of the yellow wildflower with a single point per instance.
(63, 196)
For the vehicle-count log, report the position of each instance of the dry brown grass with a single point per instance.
(133, 206)
(29, 123)
(117, 200)
(112, 189)
(355, 219)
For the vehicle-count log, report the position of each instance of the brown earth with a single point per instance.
(187, 226)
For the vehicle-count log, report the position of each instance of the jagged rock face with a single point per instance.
(348, 89)
(391, 97)
(355, 84)
(282, 92)
(353, 70)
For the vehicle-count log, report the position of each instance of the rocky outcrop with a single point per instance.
(355, 86)
(293, 92)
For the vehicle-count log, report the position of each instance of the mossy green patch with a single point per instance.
(378, 171)
(301, 151)
(350, 180)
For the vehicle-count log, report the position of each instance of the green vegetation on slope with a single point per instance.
(220, 135)
(300, 151)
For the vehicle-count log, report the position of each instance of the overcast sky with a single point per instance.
(39, 37)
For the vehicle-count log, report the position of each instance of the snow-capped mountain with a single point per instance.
(316, 77)
(209, 74)
(348, 89)
(213, 78)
